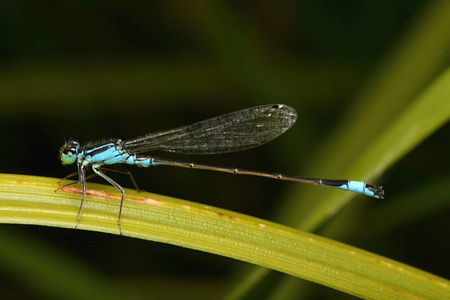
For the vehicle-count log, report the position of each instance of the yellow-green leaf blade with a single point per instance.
(32, 200)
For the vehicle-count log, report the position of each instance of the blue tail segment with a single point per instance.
(356, 187)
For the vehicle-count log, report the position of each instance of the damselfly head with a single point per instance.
(69, 152)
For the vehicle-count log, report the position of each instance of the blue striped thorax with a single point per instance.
(107, 153)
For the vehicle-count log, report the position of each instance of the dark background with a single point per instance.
(93, 70)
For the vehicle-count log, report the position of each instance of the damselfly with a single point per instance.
(236, 131)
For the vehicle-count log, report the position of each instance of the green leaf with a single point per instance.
(32, 200)
(428, 112)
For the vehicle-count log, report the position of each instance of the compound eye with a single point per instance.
(69, 153)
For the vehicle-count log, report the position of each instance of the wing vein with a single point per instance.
(231, 132)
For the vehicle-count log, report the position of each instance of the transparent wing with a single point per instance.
(231, 132)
